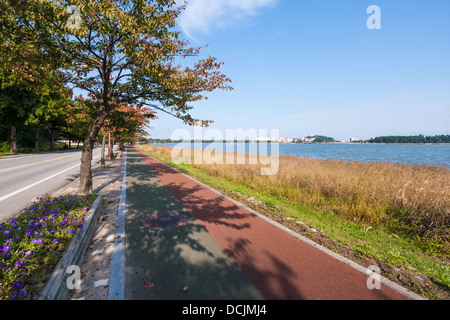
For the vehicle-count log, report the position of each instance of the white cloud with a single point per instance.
(201, 16)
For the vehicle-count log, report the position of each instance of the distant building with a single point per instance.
(354, 139)
(307, 140)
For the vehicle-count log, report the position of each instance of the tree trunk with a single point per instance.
(13, 140)
(52, 139)
(86, 154)
(113, 141)
(109, 146)
(36, 140)
(103, 150)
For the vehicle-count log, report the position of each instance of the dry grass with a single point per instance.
(414, 198)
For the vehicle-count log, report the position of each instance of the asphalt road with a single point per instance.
(25, 177)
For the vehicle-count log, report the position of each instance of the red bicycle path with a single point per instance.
(279, 265)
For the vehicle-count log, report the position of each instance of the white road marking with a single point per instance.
(9, 195)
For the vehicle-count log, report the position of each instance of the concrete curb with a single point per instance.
(391, 284)
(56, 288)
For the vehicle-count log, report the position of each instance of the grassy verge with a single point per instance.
(45, 147)
(31, 244)
(406, 253)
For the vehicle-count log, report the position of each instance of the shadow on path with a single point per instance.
(174, 263)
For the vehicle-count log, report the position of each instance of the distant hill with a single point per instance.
(319, 139)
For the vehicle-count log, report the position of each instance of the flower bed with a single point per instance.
(32, 242)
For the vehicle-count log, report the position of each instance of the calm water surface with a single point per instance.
(407, 153)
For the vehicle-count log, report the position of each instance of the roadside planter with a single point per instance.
(41, 242)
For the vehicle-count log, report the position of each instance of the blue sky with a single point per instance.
(313, 67)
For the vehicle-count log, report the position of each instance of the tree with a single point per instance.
(80, 117)
(48, 111)
(117, 52)
(128, 122)
(411, 139)
(16, 103)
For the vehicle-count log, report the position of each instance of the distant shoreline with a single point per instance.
(337, 143)
(407, 153)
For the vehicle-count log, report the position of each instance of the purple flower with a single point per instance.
(19, 264)
(14, 296)
(52, 231)
(17, 285)
(6, 248)
(55, 241)
(71, 231)
(80, 226)
(6, 232)
(29, 232)
(84, 208)
(39, 241)
(23, 292)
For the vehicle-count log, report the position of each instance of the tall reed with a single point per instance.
(414, 197)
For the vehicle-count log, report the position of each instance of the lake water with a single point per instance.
(407, 153)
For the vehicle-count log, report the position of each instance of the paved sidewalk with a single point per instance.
(96, 264)
(185, 241)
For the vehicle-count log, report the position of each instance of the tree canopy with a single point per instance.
(115, 51)
(411, 139)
